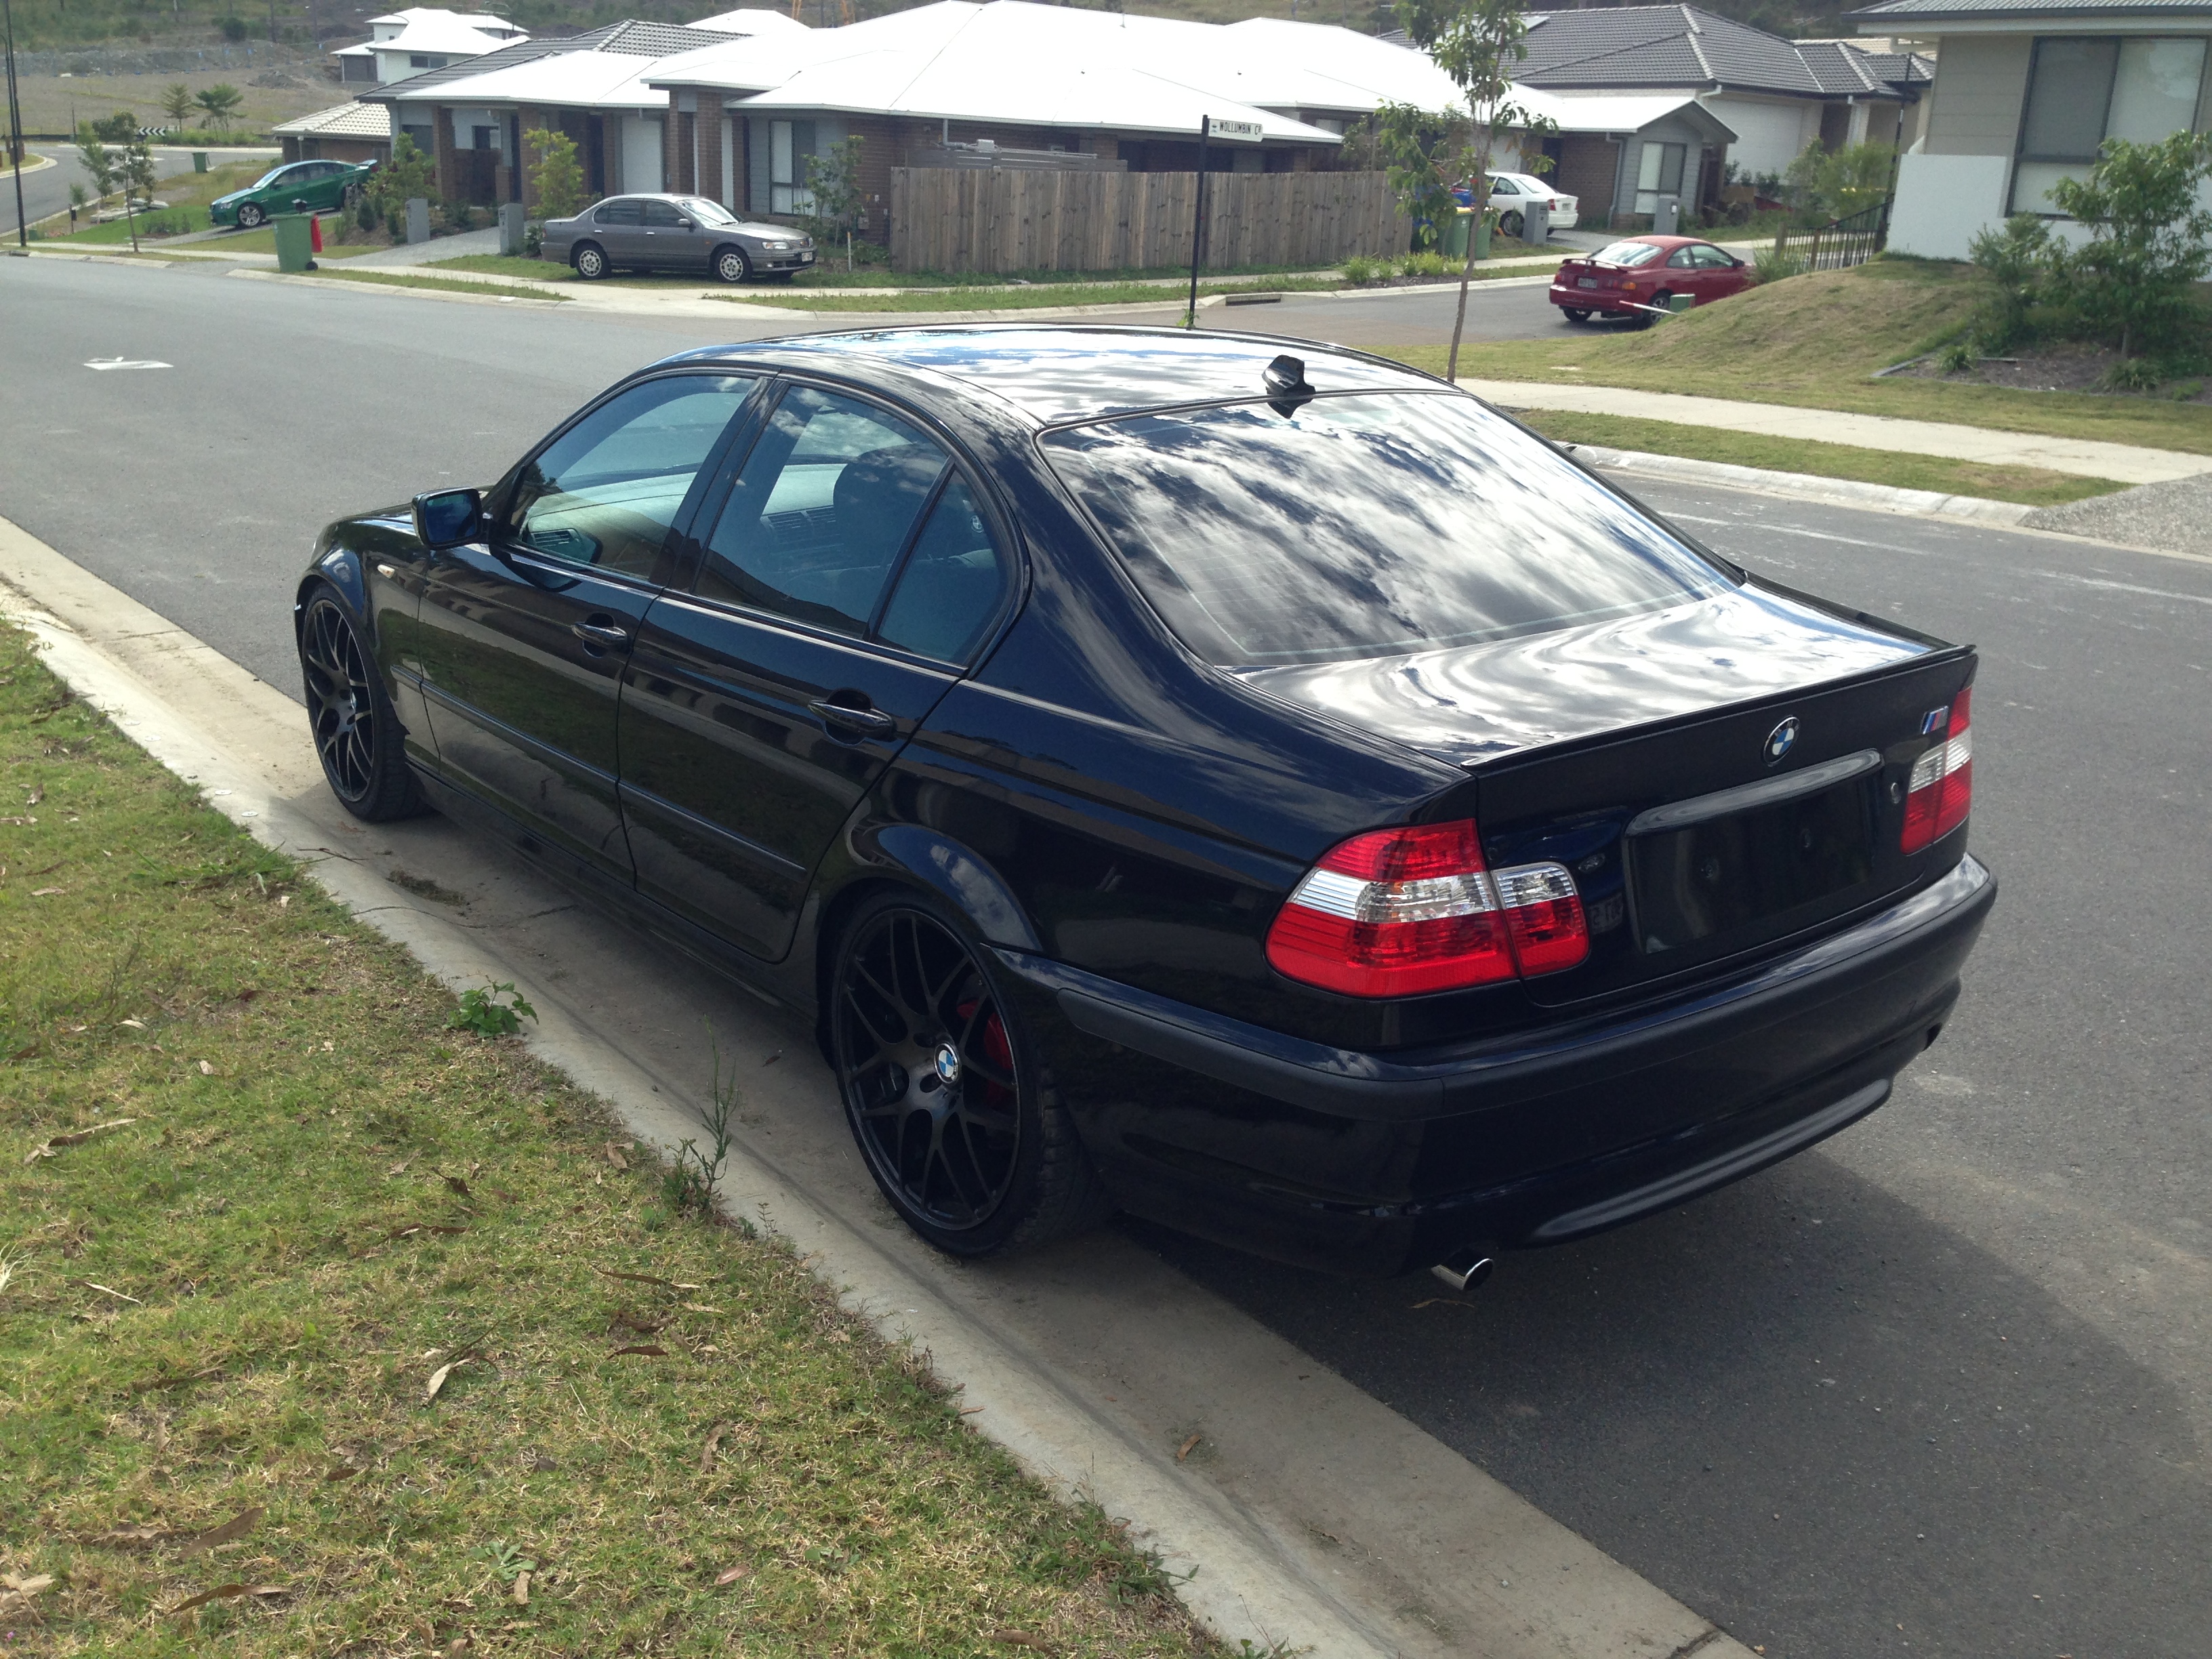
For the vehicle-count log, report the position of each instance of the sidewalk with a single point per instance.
(2081, 457)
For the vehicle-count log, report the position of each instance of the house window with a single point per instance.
(789, 144)
(1658, 172)
(2083, 91)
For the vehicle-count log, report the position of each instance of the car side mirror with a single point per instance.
(447, 518)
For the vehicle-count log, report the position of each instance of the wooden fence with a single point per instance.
(1004, 219)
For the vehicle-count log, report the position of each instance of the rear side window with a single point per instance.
(627, 211)
(1365, 525)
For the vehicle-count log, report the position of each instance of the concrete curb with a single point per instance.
(303, 281)
(1804, 486)
(1314, 1519)
(33, 162)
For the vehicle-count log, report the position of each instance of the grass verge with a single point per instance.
(443, 284)
(320, 1300)
(1814, 341)
(2032, 484)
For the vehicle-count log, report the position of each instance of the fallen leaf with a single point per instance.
(18, 820)
(53, 1144)
(700, 1307)
(211, 1374)
(132, 1536)
(48, 892)
(343, 1472)
(206, 1070)
(969, 1411)
(438, 1377)
(25, 1052)
(27, 1588)
(502, 1195)
(135, 1024)
(1188, 1448)
(522, 1589)
(117, 1294)
(615, 1156)
(642, 1326)
(455, 1184)
(713, 1439)
(773, 1058)
(652, 1350)
(731, 1575)
(1018, 1638)
(220, 1593)
(237, 1527)
(399, 1168)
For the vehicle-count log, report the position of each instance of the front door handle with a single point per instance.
(601, 631)
(867, 722)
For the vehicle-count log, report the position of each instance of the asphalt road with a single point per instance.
(1943, 1386)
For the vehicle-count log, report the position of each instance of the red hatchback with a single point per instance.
(1625, 277)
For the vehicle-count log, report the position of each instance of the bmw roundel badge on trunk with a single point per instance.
(1781, 740)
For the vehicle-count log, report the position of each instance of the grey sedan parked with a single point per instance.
(676, 233)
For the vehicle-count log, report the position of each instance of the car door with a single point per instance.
(618, 227)
(524, 634)
(1723, 271)
(1682, 274)
(850, 573)
(673, 241)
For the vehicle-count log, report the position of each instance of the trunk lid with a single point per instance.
(1637, 752)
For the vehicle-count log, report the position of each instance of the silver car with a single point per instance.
(676, 233)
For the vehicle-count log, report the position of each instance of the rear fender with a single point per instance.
(958, 874)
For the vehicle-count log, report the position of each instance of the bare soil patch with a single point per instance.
(2063, 365)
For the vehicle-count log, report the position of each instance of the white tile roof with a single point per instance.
(341, 121)
(751, 20)
(442, 34)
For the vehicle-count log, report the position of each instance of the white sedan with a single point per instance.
(1510, 192)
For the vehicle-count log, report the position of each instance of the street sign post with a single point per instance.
(1234, 132)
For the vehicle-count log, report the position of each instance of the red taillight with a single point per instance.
(1400, 912)
(1941, 792)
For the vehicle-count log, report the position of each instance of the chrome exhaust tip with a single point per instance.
(1466, 1269)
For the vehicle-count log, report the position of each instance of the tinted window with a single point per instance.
(604, 492)
(1625, 253)
(1711, 258)
(948, 590)
(628, 211)
(1682, 259)
(821, 512)
(1365, 525)
(663, 215)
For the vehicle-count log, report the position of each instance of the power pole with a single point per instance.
(16, 127)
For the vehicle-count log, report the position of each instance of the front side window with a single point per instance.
(663, 215)
(822, 512)
(2083, 91)
(790, 144)
(1504, 187)
(1365, 525)
(1706, 257)
(604, 492)
(1659, 173)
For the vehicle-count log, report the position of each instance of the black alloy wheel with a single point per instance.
(962, 1133)
(356, 736)
(1512, 224)
(731, 265)
(1575, 313)
(250, 215)
(590, 260)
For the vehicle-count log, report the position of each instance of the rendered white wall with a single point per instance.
(640, 154)
(1944, 202)
(1769, 136)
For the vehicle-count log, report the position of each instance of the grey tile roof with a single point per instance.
(632, 37)
(1984, 10)
(1622, 47)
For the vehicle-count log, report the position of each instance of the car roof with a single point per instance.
(1055, 374)
(1663, 242)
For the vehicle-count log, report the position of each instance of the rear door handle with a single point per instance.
(870, 722)
(601, 631)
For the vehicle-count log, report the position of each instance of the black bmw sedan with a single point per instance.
(1284, 799)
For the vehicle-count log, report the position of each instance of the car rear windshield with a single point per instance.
(1363, 526)
(1626, 253)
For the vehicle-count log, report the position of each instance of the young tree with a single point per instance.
(138, 179)
(104, 165)
(177, 103)
(408, 174)
(1477, 43)
(1426, 153)
(2146, 245)
(218, 104)
(555, 174)
(833, 179)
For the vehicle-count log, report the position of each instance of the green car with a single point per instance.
(320, 186)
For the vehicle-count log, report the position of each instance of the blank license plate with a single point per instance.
(1736, 872)
(1585, 282)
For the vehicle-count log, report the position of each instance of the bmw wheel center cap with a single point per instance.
(947, 1064)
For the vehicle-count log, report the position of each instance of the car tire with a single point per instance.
(1512, 224)
(1575, 313)
(590, 260)
(251, 215)
(956, 1116)
(357, 735)
(1662, 300)
(731, 265)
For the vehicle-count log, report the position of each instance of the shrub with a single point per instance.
(1958, 357)
(1360, 270)
(1770, 264)
(555, 176)
(234, 29)
(2133, 374)
(2017, 260)
(2130, 282)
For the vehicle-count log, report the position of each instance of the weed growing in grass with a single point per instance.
(1958, 357)
(694, 1180)
(483, 1012)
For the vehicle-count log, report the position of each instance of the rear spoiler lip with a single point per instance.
(1934, 658)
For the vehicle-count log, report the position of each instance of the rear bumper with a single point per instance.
(1363, 1163)
(1592, 299)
